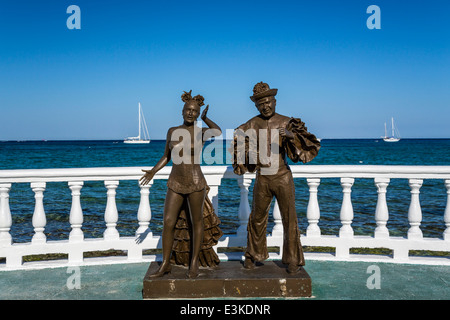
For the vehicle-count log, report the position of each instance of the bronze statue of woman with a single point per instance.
(190, 226)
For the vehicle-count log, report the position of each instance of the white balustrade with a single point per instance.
(5, 215)
(346, 231)
(144, 238)
(144, 214)
(447, 212)
(313, 210)
(415, 211)
(381, 211)
(111, 214)
(244, 183)
(214, 183)
(76, 213)
(39, 221)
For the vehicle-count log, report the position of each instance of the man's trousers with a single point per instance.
(266, 187)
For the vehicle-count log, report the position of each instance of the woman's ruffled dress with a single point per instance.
(181, 250)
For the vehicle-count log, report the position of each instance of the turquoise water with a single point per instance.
(77, 154)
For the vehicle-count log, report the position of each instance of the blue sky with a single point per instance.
(341, 78)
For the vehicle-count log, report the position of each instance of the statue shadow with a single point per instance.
(140, 237)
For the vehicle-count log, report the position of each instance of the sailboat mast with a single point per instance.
(139, 135)
(392, 126)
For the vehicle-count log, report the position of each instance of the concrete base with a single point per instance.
(229, 279)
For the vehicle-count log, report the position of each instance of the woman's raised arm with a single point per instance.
(211, 124)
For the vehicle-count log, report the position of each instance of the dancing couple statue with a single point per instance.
(261, 145)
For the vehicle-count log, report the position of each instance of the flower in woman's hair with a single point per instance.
(186, 96)
(199, 99)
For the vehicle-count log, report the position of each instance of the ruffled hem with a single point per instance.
(207, 258)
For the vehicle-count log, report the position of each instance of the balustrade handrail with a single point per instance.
(342, 242)
(305, 171)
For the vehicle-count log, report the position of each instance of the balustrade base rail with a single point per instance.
(12, 254)
(134, 252)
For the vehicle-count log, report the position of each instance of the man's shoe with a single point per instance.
(293, 268)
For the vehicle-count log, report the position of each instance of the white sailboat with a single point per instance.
(144, 138)
(395, 134)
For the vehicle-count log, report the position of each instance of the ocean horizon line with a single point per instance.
(121, 140)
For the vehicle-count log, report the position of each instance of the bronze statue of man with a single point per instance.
(273, 177)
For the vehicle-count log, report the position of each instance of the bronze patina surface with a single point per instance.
(190, 226)
(229, 279)
(262, 145)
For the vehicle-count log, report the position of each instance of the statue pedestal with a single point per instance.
(229, 279)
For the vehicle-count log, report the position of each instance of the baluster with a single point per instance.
(415, 211)
(244, 207)
(39, 220)
(144, 214)
(5, 215)
(76, 213)
(447, 212)
(313, 210)
(277, 230)
(381, 211)
(214, 183)
(346, 231)
(111, 214)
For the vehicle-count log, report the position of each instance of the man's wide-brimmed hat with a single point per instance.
(262, 90)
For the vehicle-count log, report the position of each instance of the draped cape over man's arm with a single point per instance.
(304, 146)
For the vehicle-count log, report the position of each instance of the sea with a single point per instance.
(114, 153)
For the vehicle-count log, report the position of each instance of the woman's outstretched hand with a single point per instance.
(147, 177)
